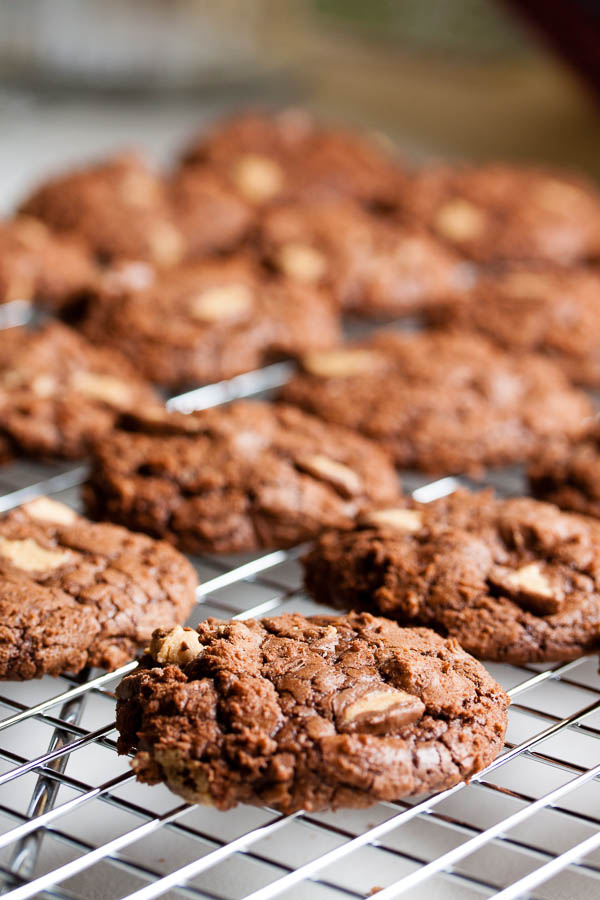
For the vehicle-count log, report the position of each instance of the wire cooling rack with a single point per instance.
(74, 823)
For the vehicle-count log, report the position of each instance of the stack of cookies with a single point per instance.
(268, 234)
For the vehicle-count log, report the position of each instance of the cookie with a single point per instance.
(569, 474)
(36, 265)
(372, 266)
(442, 402)
(210, 320)
(74, 593)
(513, 580)
(58, 393)
(118, 206)
(552, 311)
(212, 217)
(498, 213)
(308, 713)
(270, 158)
(237, 477)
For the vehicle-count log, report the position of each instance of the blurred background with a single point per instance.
(466, 78)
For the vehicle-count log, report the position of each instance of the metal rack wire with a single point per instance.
(74, 823)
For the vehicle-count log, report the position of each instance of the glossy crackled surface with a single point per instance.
(314, 713)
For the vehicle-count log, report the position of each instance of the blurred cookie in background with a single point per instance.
(208, 320)
(210, 214)
(502, 213)
(38, 266)
(119, 206)
(550, 310)
(268, 158)
(442, 402)
(59, 393)
(568, 474)
(373, 266)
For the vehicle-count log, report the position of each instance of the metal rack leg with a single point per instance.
(26, 852)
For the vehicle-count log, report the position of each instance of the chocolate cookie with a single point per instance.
(74, 593)
(210, 320)
(269, 158)
(552, 311)
(119, 206)
(37, 265)
(58, 393)
(569, 474)
(442, 402)
(311, 714)
(512, 580)
(498, 212)
(372, 266)
(236, 477)
(212, 217)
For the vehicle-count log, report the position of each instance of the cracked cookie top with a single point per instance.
(512, 580)
(308, 713)
(76, 593)
(236, 477)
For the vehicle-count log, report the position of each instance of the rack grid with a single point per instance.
(74, 823)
